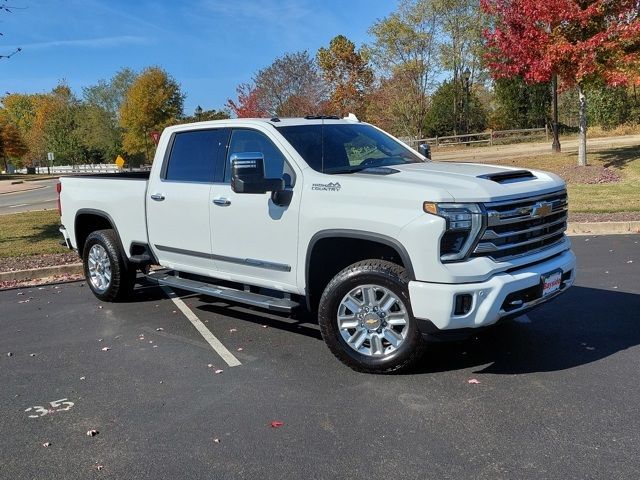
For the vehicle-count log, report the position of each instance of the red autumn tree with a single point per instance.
(248, 104)
(581, 41)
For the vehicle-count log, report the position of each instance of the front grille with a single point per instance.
(523, 226)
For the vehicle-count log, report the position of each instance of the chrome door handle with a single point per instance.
(223, 202)
(158, 197)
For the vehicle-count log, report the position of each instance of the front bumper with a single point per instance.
(435, 302)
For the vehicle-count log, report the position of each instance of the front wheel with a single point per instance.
(366, 320)
(106, 270)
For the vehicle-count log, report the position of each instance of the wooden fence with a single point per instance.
(490, 138)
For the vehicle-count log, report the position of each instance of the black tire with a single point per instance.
(123, 275)
(369, 272)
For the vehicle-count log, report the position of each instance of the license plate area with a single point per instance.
(550, 282)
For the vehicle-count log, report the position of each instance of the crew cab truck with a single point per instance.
(330, 215)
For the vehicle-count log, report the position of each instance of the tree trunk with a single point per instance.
(555, 147)
(582, 136)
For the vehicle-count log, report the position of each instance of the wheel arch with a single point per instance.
(89, 220)
(360, 245)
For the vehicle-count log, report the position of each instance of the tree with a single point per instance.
(442, 120)
(348, 75)
(520, 104)
(12, 145)
(109, 94)
(248, 104)
(207, 115)
(153, 101)
(461, 24)
(405, 49)
(291, 86)
(582, 41)
(98, 117)
(61, 134)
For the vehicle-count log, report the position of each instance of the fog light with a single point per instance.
(463, 304)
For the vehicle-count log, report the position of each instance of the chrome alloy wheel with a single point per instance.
(373, 320)
(99, 267)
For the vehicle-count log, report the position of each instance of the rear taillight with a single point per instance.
(59, 189)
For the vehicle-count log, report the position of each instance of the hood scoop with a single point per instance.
(510, 176)
(379, 170)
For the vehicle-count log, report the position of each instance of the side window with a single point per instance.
(275, 165)
(193, 155)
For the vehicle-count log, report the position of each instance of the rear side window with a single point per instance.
(193, 155)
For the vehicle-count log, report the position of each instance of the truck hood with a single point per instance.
(469, 182)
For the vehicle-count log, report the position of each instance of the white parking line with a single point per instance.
(20, 205)
(211, 339)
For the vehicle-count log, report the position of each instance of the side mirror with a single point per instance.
(425, 150)
(247, 174)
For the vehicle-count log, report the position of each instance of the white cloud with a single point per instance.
(101, 42)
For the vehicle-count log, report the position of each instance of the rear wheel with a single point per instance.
(366, 320)
(106, 270)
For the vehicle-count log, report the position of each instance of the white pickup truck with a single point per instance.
(331, 215)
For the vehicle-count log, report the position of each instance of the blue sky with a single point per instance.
(209, 46)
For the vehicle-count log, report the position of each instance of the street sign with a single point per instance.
(155, 135)
(120, 161)
(50, 156)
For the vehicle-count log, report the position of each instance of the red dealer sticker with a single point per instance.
(551, 282)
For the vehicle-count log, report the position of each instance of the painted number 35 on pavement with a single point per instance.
(61, 405)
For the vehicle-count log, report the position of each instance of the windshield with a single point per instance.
(344, 148)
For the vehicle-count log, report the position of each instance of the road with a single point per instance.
(557, 398)
(37, 199)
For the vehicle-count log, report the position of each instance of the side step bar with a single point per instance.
(283, 305)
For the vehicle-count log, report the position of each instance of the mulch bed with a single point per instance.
(12, 264)
(589, 175)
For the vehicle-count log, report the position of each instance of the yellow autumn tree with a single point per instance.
(153, 101)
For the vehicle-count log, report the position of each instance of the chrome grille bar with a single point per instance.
(523, 226)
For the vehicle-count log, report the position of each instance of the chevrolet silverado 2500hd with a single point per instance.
(329, 214)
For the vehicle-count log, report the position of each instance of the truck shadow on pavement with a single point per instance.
(580, 327)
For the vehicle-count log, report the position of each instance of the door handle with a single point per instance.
(223, 202)
(158, 197)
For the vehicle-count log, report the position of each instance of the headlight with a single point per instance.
(464, 222)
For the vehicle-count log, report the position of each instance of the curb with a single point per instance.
(34, 273)
(602, 228)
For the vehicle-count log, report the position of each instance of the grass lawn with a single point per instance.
(622, 196)
(30, 233)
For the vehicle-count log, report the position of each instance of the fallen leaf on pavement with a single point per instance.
(233, 330)
(216, 440)
(276, 424)
(106, 349)
(239, 349)
(32, 354)
(218, 371)
(46, 444)
(473, 381)
(92, 433)
(9, 354)
(159, 329)
(82, 378)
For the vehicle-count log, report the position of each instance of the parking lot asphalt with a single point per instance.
(558, 392)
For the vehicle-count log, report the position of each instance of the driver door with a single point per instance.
(254, 240)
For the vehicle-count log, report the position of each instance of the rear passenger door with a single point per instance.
(178, 206)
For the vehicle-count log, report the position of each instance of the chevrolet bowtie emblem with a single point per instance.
(541, 209)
